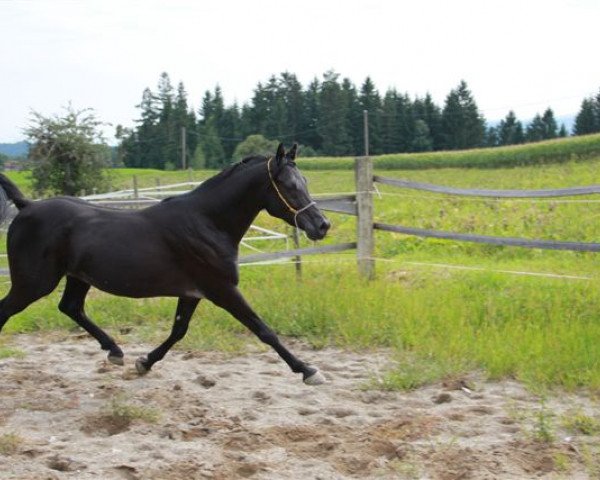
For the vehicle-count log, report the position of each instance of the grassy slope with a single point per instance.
(546, 152)
(439, 321)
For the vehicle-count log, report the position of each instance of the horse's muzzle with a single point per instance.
(320, 231)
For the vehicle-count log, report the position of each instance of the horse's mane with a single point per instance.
(231, 169)
(223, 174)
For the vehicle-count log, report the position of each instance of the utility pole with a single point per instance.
(183, 148)
(366, 131)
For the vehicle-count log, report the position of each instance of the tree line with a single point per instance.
(67, 153)
(325, 118)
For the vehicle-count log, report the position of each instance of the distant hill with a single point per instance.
(18, 149)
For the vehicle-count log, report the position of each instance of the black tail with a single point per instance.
(13, 192)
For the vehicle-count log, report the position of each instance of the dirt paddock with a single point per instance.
(67, 414)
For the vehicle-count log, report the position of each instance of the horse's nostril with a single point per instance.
(325, 225)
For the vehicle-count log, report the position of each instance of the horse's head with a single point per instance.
(288, 197)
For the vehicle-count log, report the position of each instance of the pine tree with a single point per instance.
(542, 127)
(390, 122)
(462, 124)
(141, 148)
(562, 133)
(290, 90)
(167, 136)
(332, 112)
(229, 130)
(406, 129)
(492, 137)
(214, 155)
(353, 119)
(426, 110)
(422, 141)
(311, 119)
(550, 125)
(586, 120)
(510, 130)
(184, 118)
(211, 128)
(275, 124)
(536, 130)
(207, 106)
(156, 141)
(246, 125)
(218, 107)
(258, 112)
(371, 102)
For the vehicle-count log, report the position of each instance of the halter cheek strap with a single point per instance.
(293, 210)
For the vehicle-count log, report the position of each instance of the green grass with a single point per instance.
(544, 332)
(437, 321)
(546, 152)
(122, 178)
(8, 352)
(122, 411)
(579, 423)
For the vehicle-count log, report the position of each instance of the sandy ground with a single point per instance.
(65, 413)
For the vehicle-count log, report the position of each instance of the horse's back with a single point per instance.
(46, 221)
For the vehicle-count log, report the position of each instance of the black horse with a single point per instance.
(184, 246)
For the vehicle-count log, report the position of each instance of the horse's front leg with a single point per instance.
(229, 298)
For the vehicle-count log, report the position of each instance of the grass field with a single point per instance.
(438, 320)
(547, 152)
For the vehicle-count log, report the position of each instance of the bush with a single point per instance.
(67, 153)
(254, 145)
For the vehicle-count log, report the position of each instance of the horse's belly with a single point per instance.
(131, 276)
(136, 288)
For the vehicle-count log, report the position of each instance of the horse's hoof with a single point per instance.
(116, 359)
(140, 366)
(315, 378)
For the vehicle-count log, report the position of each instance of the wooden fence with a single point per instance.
(361, 205)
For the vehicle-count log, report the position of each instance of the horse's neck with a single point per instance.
(234, 203)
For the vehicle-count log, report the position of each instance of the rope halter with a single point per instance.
(293, 210)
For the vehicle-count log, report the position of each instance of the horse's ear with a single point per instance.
(292, 152)
(280, 155)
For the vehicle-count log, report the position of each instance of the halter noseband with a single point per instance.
(293, 210)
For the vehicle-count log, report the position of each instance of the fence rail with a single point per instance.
(475, 192)
(345, 204)
(268, 257)
(492, 240)
(503, 241)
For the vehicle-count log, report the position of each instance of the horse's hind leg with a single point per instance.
(13, 303)
(22, 294)
(71, 305)
(185, 310)
(230, 298)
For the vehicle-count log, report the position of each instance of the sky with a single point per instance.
(520, 55)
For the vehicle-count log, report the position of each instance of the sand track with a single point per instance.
(65, 413)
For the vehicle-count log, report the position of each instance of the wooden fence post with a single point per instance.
(297, 258)
(135, 187)
(364, 203)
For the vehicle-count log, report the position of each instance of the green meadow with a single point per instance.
(442, 308)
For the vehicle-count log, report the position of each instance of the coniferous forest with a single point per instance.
(325, 117)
